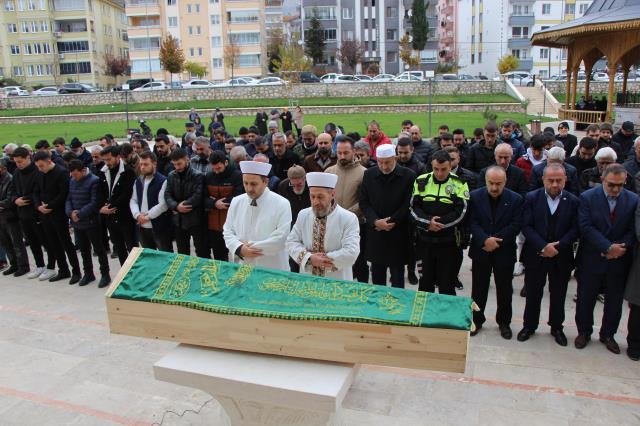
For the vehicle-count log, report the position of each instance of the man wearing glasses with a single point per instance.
(606, 218)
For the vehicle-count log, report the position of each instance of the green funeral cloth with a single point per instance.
(229, 288)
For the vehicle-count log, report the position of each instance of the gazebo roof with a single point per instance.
(602, 16)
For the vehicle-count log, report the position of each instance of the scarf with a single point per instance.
(531, 158)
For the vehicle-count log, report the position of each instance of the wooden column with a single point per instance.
(568, 88)
(625, 76)
(574, 90)
(587, 84)
(612, 77)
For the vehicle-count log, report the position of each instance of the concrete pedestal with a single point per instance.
(257, 389)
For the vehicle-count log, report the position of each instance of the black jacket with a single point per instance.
(7, 207)
(186, 186)
(516, 180)
(164, 165)
(479, 157)
(602, 143)
(467, 176)
(632, 166)
(52, 189)
(383, 196)
(281, 165)
(569, 142)
(118, 194)
(625, 142)
(414, 164)
(298, 201)
(24, 184)
(580, 164)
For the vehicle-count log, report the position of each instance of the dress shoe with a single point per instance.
(505, 332)
(59, 276)
(581, 341)
(633, 356)
(524, 334)
(20, 272)
(523, 292)
(75, 277)
(12, 269)
(559, 337)
(477, 330)
(611, 344)
(3, 265)
(413, 278)
(86, 280)
(104, 281)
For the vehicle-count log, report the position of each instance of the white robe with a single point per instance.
(341, 242)
(265, 226)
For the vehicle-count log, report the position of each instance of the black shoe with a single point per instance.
(413, 279)
(524, 334)
(459, 285)
(581, 341)
(20, 272)
(611, 344)
(104, 281)
(86, 280)
(12, 269)
(75, 277)
(523, 292)
(477, 330)
(559, 337)
(114, 255)
(505, 332)
(633, 356)
(59, 276)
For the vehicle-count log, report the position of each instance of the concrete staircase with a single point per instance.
(537, 103)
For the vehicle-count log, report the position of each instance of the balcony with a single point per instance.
(140, 32)
(522, 20)
(142, 8)
(273, 3)
(519, 43)
(525, 64)
(70, 26)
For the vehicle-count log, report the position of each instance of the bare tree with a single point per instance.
(350, 54)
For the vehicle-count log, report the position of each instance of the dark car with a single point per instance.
(77, 88)
(309, 77)
(134, 83)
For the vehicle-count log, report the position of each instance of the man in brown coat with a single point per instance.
(323, 158)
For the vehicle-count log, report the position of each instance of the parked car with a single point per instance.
(134, 83)
(240, 81)
(519, 78)
(383, 77)
(196, 84)
(418, 74)
(466, 77)
(305, 77)
(346, 78)
(406, 77)
(362, 77)
(446, 77)
(154, 85)
(330, 78)
(77, 88)
(600, 76)
(270, 81)
(16, 91)
(46, 91)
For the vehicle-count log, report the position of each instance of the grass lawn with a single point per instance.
(561, 97)
(266, 103)
(390, 123)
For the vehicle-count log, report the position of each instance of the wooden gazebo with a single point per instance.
(609, 28)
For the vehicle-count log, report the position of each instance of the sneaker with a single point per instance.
(36, 272)
(518, 269)
(47, 274)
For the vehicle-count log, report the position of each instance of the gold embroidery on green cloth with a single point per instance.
(181, 286)
(391, 304)
(244, 271)
(209, 279)
(419, 306)
(169, 276)
(316, 290)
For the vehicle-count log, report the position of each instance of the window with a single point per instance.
(570, 9)
(330, 34)
(190, 29)
(373, 24)
(246, 61)
(546, 8)
(27, 49)
(34, 26)
(373, 45)
(544, 73)
(347, 35)
(217, 62)
(392, 12)
(12, 28)
(17, 71)
(216, 41)
(215, 19)
(479, 57)
(244, 39)
(173, 21)
(15, 49)
(21, 5)
(43, 6)
(48, 69)
(72, 46)
(583, 8)
(323, 12)
(32, 5)
(516, 53)
(520, 32)
(145, 65)
(392, 35)
(170, 3)
(429, 55)
(214, 1)
(192, 52)
(44, 26)
(197, 8)
(76, 68)
(199, 51)
(392, 56)
(242, 16)
(544, 53)
(30, 70)
(189, 8)
(39, 70)
(198, 30)
(152, 43)
(347, 13)
(46, 48)
(24, 27)
(473, 58)
(9, 6)
(37, 49)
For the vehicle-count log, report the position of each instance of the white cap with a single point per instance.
(255, 168)
(323, 180)
(386, 151)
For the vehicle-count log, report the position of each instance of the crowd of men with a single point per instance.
(335, 204)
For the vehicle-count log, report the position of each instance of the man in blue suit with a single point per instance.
(550, 229)
(495, 221)
(556, 155)
(606, 218)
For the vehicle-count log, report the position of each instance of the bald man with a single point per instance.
(323, 158)
(516, 179)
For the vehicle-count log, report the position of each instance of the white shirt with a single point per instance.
(553, 203)
(155, 211)
(265, 226)
(341, 241)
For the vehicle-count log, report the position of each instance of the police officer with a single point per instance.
(438, 206)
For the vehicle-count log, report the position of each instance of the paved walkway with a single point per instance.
(60, 366)
(537, 102)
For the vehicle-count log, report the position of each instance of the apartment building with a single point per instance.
(447, 34)
(377, 24)
(203, 28)
(50, 42)
(490, 29)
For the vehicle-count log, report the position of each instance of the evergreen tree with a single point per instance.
(314, 41)
(419, 24)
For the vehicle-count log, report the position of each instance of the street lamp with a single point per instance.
(146, 17)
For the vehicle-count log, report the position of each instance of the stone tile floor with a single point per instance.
(60, 366)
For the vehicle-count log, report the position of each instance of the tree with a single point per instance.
(275, 41)
(406, 53)
(196, 69)
(231, 55)
(350, 53)
(291, 61)
(314, 42)
(171, 56)
(419, 24)
(508, 63)
(115, 66)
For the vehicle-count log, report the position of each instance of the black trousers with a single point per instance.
(121, 233)
(216, 243)
(589, 286)
(34, 233)
(483, 266)
(535, 277)
(183, 241)
(59, 242)
(105, 233)
(92, 237)
(438, 267)
(379, 274)
(11, 239)
(162, 241)
(633, 338)
(360, 267)
(293, 266)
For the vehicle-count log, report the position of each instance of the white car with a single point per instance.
(600, 76)
(384, 77)
(154, 85)
(346, 78)
(406, 78)
(233, 82)
(519, 78)
(249, 80)
(330, 78)
(270, 81)
(405, 75)
(46, 91)
(16, 91)
(196, 84)
(362, 77)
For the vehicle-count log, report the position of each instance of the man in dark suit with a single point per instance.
(606, 218)
(555, 155)
(516, 179)
(495, 221)
(550, 229)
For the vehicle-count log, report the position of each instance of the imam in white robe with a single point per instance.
(265, 226)
(341, 242)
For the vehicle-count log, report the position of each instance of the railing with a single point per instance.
(138, 3)
(628, 99)
(581, 116)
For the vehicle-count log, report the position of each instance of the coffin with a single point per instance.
(218, 304)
